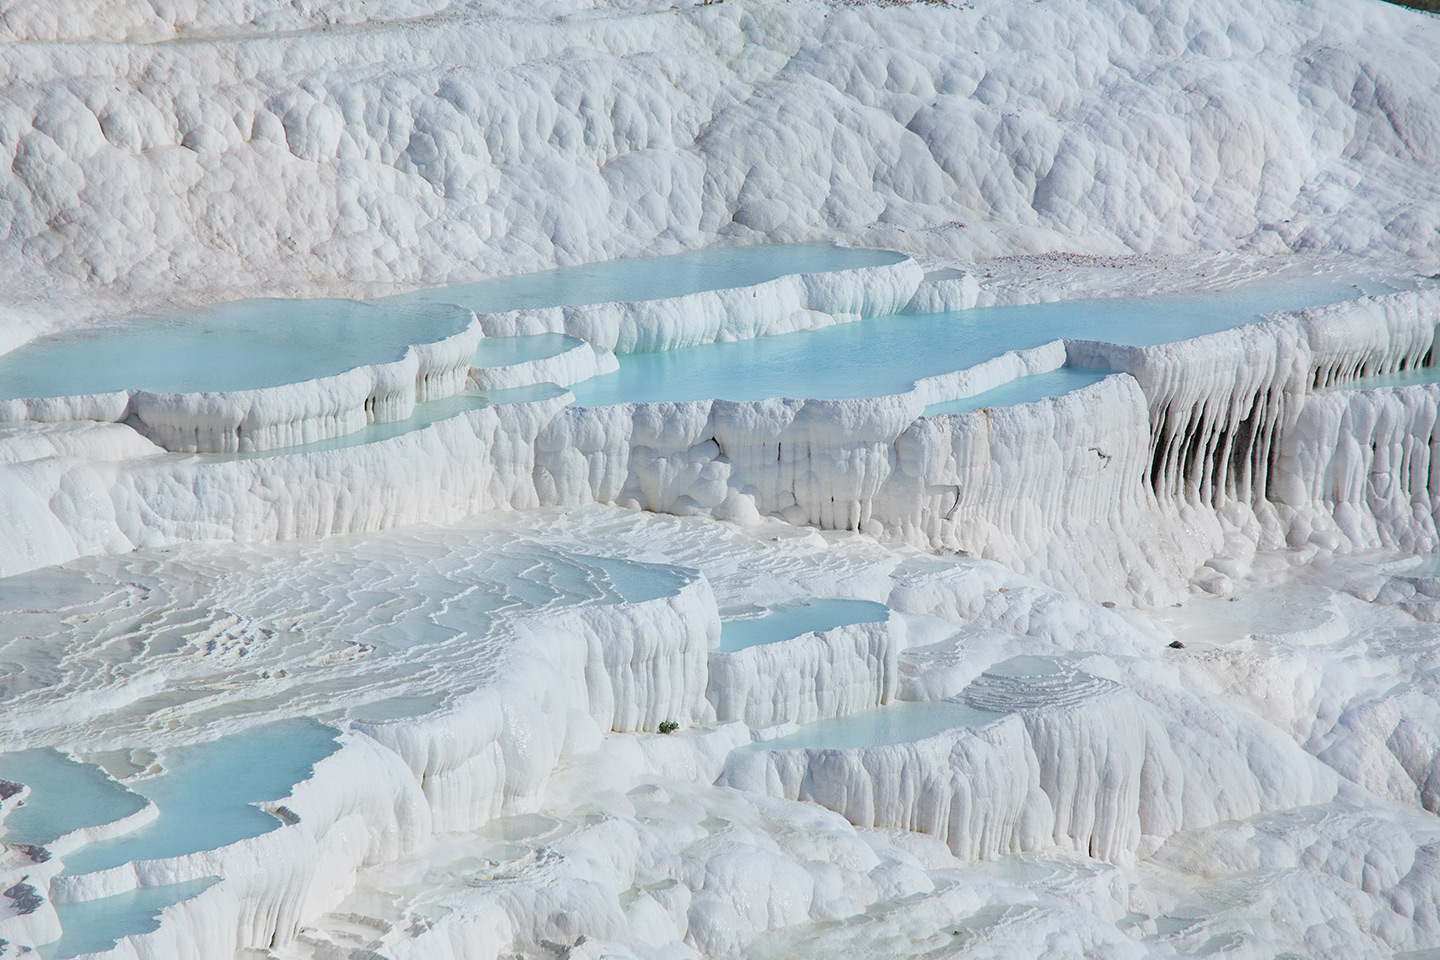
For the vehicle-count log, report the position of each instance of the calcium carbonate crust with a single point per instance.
(1269, 793)
(1182, 446)
(264, 148)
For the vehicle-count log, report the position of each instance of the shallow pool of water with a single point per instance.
(65, 796)
(651, 278)
(1427, 567)
(425, 415)
(783, 623)
(205, 795)
(639, 582)
(47, 589)
(887, 355)
(1041, 386)
(92, 926)
(396, 708)
(899, 722)
(243, 345)
(508, 351)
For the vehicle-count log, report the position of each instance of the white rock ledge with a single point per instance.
(975, 786)
(268, 418)
(819, 674)
(801, 301)
(576, 362)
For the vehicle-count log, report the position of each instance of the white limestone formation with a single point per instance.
(820, 674)
(1160, 674)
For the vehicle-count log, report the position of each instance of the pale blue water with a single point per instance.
(899, 722)
(65, 795)
(46, 589)
(205, 794)
(91, 926)
(507, 351)
(1055, 383)
(425, 415)
(650, 278)
(638, 582)
(243, 345)
(886, 355)
(1026, 666)
(396, 708)
(782, 623)
(1428, 567)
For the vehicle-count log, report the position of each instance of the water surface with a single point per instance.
(783, 623)
(206, 793)
(65, 796)
(899, 722)
(1040, 386)
(651, 278)
(93, 926)
(244, 345)
(883, 356)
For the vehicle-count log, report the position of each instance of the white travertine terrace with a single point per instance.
(1160, 674)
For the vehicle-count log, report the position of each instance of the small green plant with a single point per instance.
(669, 726)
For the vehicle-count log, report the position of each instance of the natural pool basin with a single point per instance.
(824, 657)
(784, 623)
(93, 926)
(508, 351)
(899, 722)
(883, 356)
(1427, 568)
(651, 278)
(245, 345)
(1022, 390)
(206, 794)
(65, 796)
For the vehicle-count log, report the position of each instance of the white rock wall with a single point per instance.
(268, 418)
(1124, 485)
(977, 788)
(277, 148)
(799, 301)
(817, 675)
(1358, 470)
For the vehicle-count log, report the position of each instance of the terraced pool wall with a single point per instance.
(1096, 491)
(1236, 424)
(801, 301)
(393, 785)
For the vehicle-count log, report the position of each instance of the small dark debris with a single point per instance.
(287, 816)
(1176, 645)
(562, 950)
(8, 789)
(1108, 604)
(26, 898)
(34, 851)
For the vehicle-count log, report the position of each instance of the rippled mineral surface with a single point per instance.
(719, 480)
